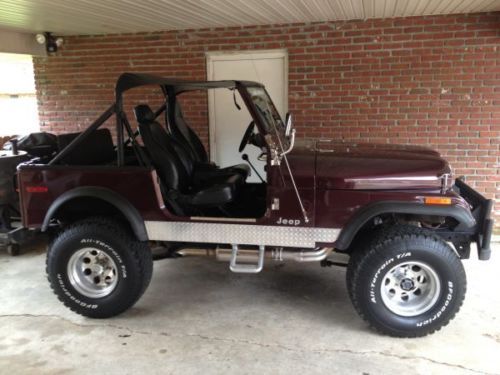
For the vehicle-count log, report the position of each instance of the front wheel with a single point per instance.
(406, 282)
(97, 269)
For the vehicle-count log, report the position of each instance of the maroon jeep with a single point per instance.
(394, 211)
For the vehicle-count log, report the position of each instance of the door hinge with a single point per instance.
(276, 204)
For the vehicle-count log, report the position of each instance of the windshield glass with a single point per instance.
(266, 109)
(268, 113)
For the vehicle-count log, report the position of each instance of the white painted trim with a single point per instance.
(213, 56)
(21, 43)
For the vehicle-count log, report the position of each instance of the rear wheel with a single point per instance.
(406, 282)
(97, 269)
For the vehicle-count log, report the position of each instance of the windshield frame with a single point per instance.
(265, 126)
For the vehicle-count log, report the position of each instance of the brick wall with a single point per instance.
(431, 81)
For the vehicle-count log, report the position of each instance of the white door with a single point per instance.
(227, 123)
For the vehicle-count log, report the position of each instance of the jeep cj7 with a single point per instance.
(393, 210)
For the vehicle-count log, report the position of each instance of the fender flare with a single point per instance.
(361, 217)
(123, 205)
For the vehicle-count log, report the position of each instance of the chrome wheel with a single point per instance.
(92, 272)
(410, 288)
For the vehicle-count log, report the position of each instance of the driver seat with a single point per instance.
(183, 134)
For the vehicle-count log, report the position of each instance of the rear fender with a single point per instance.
(131, 214)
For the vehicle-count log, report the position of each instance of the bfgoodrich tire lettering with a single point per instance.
(129, 267)
(401, 256)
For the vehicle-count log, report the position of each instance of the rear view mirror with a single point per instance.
(288, 124)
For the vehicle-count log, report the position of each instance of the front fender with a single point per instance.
(370, 211)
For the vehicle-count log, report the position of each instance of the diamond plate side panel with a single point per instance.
(239, 234)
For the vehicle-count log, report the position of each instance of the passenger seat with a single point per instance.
(176, 172)
(202, 173)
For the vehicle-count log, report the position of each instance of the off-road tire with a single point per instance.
(361, 244)
(133, 259)
(400, 245)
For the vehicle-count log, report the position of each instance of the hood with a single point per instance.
(366, 166)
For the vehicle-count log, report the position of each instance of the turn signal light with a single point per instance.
(37, 189)
(437, 200)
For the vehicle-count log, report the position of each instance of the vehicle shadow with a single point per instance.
(190, 287)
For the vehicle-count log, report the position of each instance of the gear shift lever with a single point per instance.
(245, 157)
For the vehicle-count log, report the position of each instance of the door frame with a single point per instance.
(213, 56)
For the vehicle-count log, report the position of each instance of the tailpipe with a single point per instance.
(252, 255)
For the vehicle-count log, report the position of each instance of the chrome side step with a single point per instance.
(234, 266)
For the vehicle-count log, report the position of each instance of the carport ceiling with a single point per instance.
(68, 17)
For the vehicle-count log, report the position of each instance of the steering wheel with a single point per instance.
(246, 136)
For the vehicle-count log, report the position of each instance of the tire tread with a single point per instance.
(375, 246)
(140, 252)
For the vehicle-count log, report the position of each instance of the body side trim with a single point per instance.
(240, 234)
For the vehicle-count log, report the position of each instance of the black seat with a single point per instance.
(96, 149)
(202, 173)
(187, 137)
(175, 170)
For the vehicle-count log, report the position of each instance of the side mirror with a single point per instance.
(288, 124)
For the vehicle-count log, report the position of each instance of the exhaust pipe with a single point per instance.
(252, 255)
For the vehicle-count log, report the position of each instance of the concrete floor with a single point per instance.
(197, 317)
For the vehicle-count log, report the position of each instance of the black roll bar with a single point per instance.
(119, 130)
(170, 88)
(141, 156)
